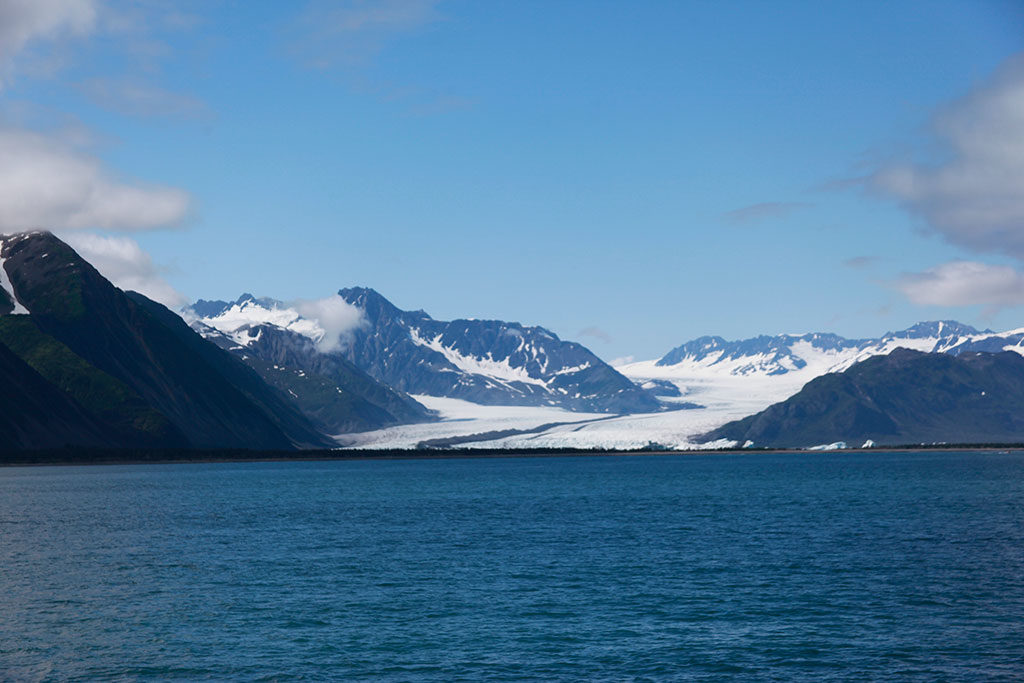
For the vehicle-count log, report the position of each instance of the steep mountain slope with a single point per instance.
(904, 397)
(126, 418)
(281, 411)
(36, 414)
(484, 361)
(201, 391)
(283, 347)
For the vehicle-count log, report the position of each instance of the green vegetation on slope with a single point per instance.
(330, 407)
(105, 396)
(52, 281)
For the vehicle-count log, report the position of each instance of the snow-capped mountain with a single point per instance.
(820, 353)
(240, 319)
(730, 380)
(778, 355)
(737, 378)
(487, 362)
(288, 351)
(494, 363)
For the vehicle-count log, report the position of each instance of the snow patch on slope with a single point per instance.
(239, 317)
(8, 286)
(500, 370)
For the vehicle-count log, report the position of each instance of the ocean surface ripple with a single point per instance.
(757, 567)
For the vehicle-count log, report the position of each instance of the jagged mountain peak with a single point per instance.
(264, 301)
(763, 354)
(204, 308)
(714, 371)
(936, 329)
(284, 346)
(40, 244)
(207, 308)
(241, 318)
(784, 353)
(485, 361)
(376, 306)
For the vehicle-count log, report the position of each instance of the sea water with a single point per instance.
(813, 567)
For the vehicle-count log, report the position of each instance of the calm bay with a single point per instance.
(801, 566)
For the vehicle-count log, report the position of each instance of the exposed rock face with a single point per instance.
(287, 351)
(485, 361)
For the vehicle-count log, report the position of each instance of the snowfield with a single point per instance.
(725, 397)
(463, 418)
(727, 387)
(239, 317)
(499, 370)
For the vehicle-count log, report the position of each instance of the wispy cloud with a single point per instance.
(860, 262)
(964, 283)
(764, 211)
(338, 317)
(23, 22)
(353, 33)
(973, 194)
(122, 261)
(596, 333)
(134, 32)
(347, 38)
(135, 97)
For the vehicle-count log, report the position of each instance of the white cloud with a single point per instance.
(974, 194)
(25, 21)
(337, 317)
(964, 283)
(47, 182)
(122, 261)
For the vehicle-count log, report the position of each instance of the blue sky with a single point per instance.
(629, 175)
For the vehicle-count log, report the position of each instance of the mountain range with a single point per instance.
(90, 365)
(488, 362)
(762, 370)
(128, 371)
(905, 397)
(283, 348)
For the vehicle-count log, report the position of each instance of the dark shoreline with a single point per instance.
(85, 457)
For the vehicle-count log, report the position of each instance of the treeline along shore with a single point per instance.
(86, 456)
